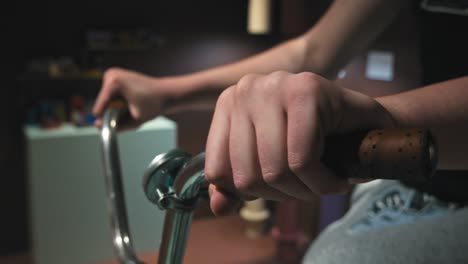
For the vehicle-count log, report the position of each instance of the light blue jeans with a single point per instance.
(391, 223)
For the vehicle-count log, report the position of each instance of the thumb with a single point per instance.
(222, 202)
(108, 90)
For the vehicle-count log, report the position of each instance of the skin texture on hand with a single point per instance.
(146, 96)
(266, 137)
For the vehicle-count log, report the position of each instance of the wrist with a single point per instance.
(185, 92)
(391, 120)
(176, 87)
(315, 58)
(360, 111)
(387, 119)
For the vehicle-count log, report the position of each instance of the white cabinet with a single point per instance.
(68, 213)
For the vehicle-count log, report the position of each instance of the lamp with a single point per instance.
(259, 17)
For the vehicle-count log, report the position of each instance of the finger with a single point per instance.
(223, 202)
(305, 145)
(109, 87)
(217, 160)
(98, 122)
(270, 127)
(125, 124)
(244, 159)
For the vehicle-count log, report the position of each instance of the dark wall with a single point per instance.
(57, 27)
(444, 46)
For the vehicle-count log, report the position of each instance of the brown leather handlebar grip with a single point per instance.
(401, 154)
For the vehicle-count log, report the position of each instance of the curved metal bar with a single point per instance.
(121, 239)
(191, 179)
(188, 186)
(160, 175)
(175, 182)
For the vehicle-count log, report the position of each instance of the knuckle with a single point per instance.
(225, 97)
(111, 77)
(306, 86)
(248, 78)
(279, 74)
(245, 83)
(275, 79)
(297, 163)
(243, 183)
(213, 174)
(274, 176)
(111, 73)
(309, 79)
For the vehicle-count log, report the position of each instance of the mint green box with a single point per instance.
(68, 214)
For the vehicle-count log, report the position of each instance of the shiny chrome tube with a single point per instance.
(175, 182)
(121, 239)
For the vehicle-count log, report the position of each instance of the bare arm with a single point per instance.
(442, 107)
(346, 28)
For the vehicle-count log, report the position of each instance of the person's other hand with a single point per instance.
(145, 95)
(267, 137)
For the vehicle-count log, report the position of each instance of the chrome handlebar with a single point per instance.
(174, 181)
(121, 238)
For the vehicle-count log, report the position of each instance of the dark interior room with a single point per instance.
(55, 60)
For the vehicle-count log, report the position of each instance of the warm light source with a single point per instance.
(259, 17)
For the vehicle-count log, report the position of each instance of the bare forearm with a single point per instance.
(347, 28)
(442, 107)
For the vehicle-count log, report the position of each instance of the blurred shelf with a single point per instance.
(35, 87)
(39, 81)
